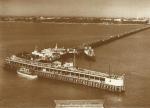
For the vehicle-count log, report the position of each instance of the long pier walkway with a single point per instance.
(98, 43)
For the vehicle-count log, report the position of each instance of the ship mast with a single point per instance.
(56, 46)
(109, 70)
(74, 57)
(36, 48)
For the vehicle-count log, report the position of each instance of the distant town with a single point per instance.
(104, 20)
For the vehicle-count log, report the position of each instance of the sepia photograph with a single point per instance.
(74, 53)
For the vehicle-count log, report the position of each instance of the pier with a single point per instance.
(97, 43)
(113, 83)
(73, 75)
(69, 52)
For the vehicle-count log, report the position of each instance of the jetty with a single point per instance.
(38, 65)
(54, 54)
(97, 43)
(114, 83)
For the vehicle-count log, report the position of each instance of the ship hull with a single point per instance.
(26, 75)
(92, 58)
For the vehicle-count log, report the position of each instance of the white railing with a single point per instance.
(49, 66)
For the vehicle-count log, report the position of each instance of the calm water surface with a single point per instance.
(130, 55)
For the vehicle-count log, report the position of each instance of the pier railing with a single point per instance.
(49, 66)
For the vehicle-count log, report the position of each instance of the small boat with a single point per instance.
(89, 52)
(25, 72)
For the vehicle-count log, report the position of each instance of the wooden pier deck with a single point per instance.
(97, 43)
(77, 76)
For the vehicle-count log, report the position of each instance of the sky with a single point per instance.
(88, 8)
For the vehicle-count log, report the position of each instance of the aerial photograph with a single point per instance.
(74, 54)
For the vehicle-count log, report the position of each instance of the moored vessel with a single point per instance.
(25, 72)
(89, 52)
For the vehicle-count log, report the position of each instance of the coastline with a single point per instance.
(73, 23)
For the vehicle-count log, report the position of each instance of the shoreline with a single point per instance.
(71, 23)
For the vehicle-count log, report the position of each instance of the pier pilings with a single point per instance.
(97, 43)
(86, 78)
